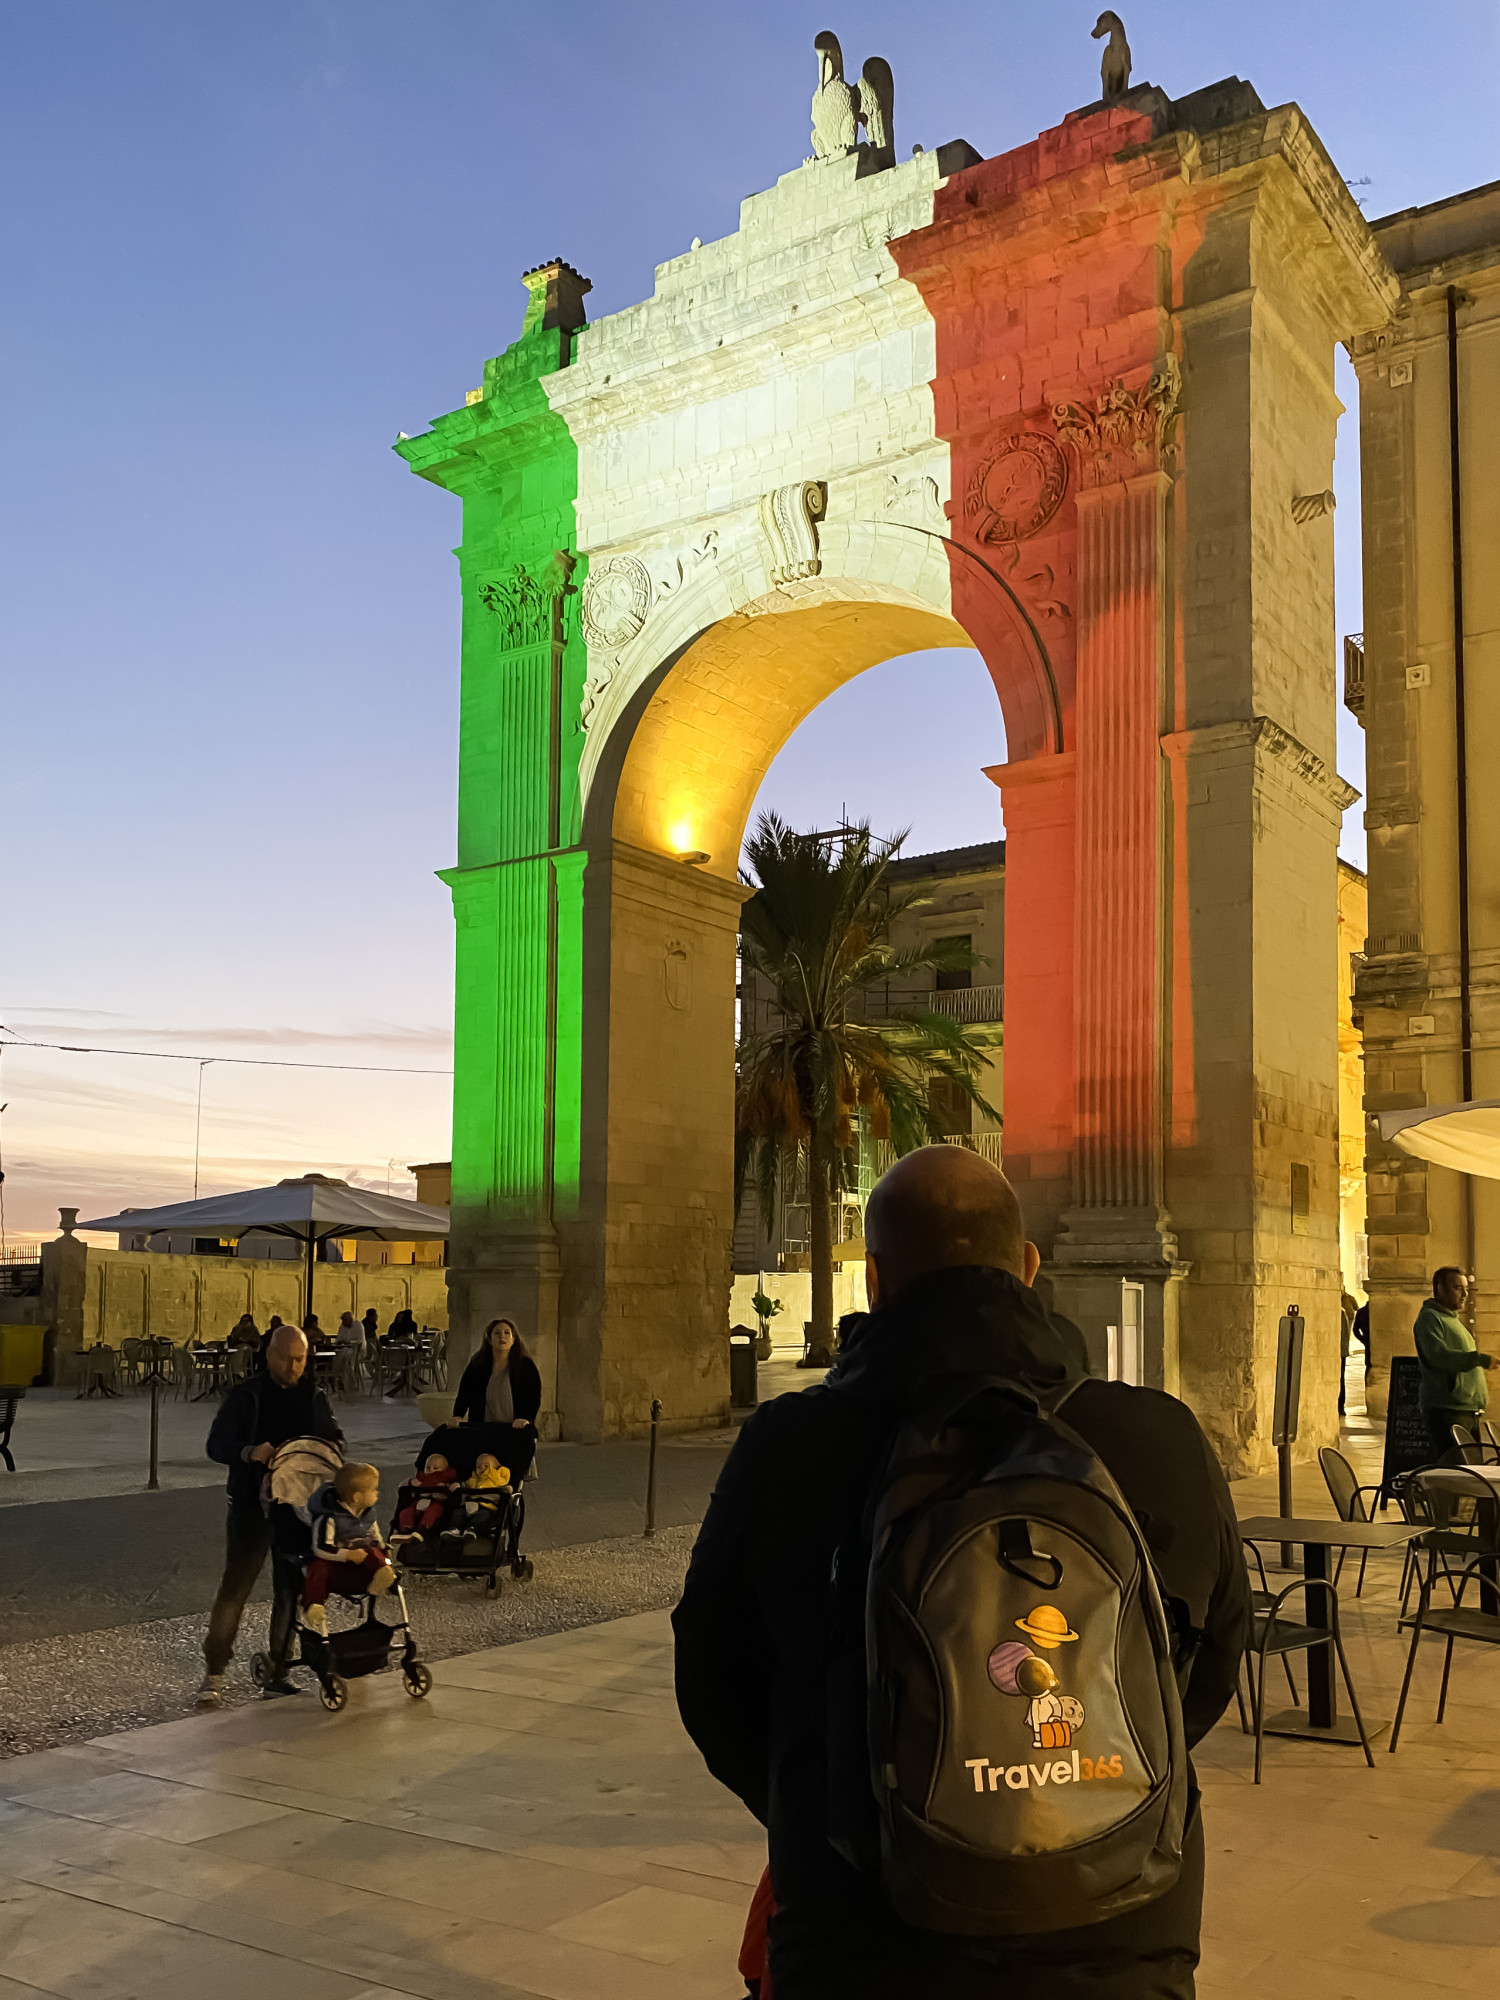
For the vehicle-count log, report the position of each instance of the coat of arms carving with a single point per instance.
(1018, 488)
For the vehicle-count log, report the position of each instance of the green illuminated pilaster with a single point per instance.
(517, 886)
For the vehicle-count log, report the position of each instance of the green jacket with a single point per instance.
(1452, 1375)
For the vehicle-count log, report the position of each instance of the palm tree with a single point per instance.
(817, 930)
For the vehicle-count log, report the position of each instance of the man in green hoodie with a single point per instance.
(1453, 1388)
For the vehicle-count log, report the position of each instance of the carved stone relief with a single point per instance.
(1123, 430)
(789, 519)
(678, 973)
(1312, 506)
(1034, 587)
(1018, 488)
(914, 500)
(619, 597)
(525, 604)
(616, 599)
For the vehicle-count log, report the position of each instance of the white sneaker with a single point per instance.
(211, 1694)
(316, 1618)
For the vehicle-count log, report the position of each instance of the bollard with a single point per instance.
(1286, 1410)
(651, 1470)
(153, 1484)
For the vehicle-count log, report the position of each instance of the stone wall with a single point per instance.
(136, 1293)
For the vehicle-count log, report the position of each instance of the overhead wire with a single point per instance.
(251, 1062)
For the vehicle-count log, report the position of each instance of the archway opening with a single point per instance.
(905, 747)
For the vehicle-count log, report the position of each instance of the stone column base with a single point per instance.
(512, 1273)
(1095, 1251)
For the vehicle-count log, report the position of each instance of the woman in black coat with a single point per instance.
(502, 1384)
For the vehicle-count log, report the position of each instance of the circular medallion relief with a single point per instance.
(616, 598)
(1019, 487)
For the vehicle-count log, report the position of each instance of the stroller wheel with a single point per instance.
(492, 1586)
(522, 1569)
(333, 1694)
(260, 1670)
(417, 1681)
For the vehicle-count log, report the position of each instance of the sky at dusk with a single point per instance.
(243, 247)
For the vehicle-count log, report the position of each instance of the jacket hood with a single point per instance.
(974, 1321)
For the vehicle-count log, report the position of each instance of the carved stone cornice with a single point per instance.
(1259, 734)
(1125, 430)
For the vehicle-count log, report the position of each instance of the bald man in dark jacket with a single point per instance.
(949, 1277)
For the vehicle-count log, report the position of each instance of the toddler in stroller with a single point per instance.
(323, 1533)
(347, 1553)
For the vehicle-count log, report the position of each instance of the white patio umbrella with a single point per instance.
(1465, 1137)
(311, 1209)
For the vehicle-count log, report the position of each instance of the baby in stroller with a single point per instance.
(483, 1509)
(425, 1498)
(484, 1505)
(348, 1554)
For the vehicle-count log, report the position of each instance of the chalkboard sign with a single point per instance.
(1408, 1442)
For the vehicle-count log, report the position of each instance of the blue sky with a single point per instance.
(242, 248)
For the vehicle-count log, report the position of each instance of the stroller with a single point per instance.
(494, 1543)
(366, 1647)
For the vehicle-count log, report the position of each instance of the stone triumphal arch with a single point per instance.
(1073, 407)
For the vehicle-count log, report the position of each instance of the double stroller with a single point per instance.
(491, 1537)
(339, 1656)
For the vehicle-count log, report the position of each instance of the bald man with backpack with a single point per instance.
(953, 1623)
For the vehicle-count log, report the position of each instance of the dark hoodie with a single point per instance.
(754, 1625)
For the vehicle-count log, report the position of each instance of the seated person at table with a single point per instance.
(244, 1332)
(476, 1516)
(437, 1477)
(348, 1554)
(402, 1327)
(502, 1384)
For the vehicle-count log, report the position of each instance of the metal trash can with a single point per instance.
(743, 1391)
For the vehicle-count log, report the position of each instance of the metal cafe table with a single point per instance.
(1322, 1722)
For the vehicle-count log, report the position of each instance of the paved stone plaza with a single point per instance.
(541, 1827)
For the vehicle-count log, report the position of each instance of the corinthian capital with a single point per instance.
(1124, 430)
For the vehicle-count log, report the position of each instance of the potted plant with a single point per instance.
(765, 1311)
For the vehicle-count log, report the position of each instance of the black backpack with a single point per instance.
(1014, 1704)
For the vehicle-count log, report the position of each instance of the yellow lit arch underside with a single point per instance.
(708, 736)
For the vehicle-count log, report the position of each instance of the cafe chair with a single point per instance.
(1451, 1623)
(1272, 1632)
(1348, 1498)
(130, 1360)
(1455, 1527)
(1471, 1448)
(1260, 1601)
(184, 1372)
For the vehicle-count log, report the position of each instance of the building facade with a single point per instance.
(1424, 681)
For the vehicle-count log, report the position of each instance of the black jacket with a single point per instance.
(525, 1386)
(753, 1624)
(263, 1411)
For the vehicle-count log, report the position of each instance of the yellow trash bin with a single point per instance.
(21, 1354)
